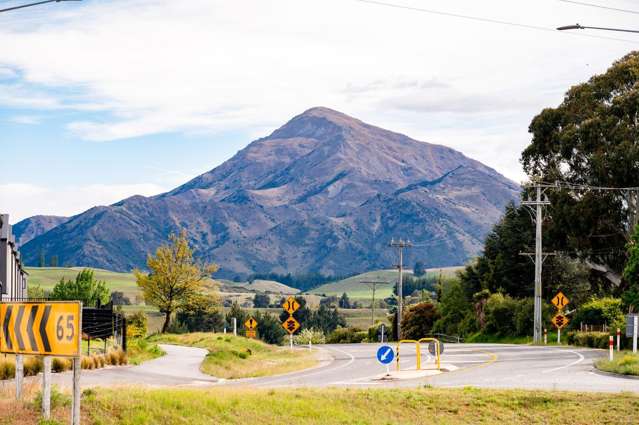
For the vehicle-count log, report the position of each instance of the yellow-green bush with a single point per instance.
(7, 369)
(32, 366)
(60, 365)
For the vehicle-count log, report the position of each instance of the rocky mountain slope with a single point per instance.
(324, 193)
(32, 227)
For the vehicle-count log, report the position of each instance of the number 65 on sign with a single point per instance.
(48, 329)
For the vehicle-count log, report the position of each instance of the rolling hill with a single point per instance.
(323, 193)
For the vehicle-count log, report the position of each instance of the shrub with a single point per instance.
(112, 358)
(588, 339)
(58, 399)
(7, 369)
(269, 328)
(524, 316)
(500, 315)
(60, 365)
(32, 366)
(600, 311)
(85, 362)
(313, 335)
(136, 325)
(346, 336)
(374, 335)
(418, 320)
(122, 358)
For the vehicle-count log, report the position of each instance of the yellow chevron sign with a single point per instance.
(49, 328)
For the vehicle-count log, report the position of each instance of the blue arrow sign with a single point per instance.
(385, 354)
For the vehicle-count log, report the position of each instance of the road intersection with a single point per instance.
(355, 365)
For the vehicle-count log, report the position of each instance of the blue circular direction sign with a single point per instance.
(385, 354)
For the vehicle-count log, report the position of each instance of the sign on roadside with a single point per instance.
(250, 323)
(560, 300)
(251, 333)
(291, 305)
(49, 328)
(291, 325)
(560, 321)
(385, 354)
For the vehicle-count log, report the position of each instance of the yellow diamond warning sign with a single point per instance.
(560, 301)
(291, 305)
(560, 321)
(51, 328)
(291, 325)
(250, 323)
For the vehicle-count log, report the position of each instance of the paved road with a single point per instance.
(354, 365)
(480, 365)
(180, 366)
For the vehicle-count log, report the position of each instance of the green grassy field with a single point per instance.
(342, 406)
(47, 277)
(361, 292)
(238, 357)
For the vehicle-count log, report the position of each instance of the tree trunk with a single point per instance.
(167, 322)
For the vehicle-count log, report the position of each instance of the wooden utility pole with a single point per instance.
(400, 245)
(373, 284)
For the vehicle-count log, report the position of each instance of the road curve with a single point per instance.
(180, 366)
(480, 365)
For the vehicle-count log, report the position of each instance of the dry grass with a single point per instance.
(238, 357)
(344, 406)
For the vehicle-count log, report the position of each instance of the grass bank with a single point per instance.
(344, 406)
(624, 363)
(234, 357)
(141, 349)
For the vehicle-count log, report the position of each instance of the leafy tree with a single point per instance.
(174, 277)
(269, 329)
(419, 269)
(410, 284)
(261, 301)
(201, 315)
(136, 326)
(418, 320)
(591, 139)
(631, 273)
(456, 310)
(326, 319)
(239, 314)
(83, 288)
(344, 302)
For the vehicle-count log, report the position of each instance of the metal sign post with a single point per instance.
(46, 329)
(635, 326)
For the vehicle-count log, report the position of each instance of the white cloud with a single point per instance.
(157, 66)
(22, 200)
(25, 119)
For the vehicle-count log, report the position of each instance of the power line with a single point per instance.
(598, 6)
(33, 4)
(484, 20)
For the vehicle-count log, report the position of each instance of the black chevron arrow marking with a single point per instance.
(5, 327)
(16, 328)
(32, 316)
(43, 329)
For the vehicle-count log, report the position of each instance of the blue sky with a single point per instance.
(101, 100)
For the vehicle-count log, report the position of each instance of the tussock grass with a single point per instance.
(238, 357)
(624, 363)
(344, 406)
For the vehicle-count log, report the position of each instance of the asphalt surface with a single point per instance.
(480, 365)
(355, 365)
(180, 366)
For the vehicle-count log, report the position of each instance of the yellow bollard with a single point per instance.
(437, 350)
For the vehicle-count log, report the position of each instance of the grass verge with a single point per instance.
(347, 406)
(141, 349)
(235, 357)
(624, 363)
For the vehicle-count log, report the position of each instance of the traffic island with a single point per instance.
(400, 375)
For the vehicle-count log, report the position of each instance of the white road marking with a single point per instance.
(579, 360)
